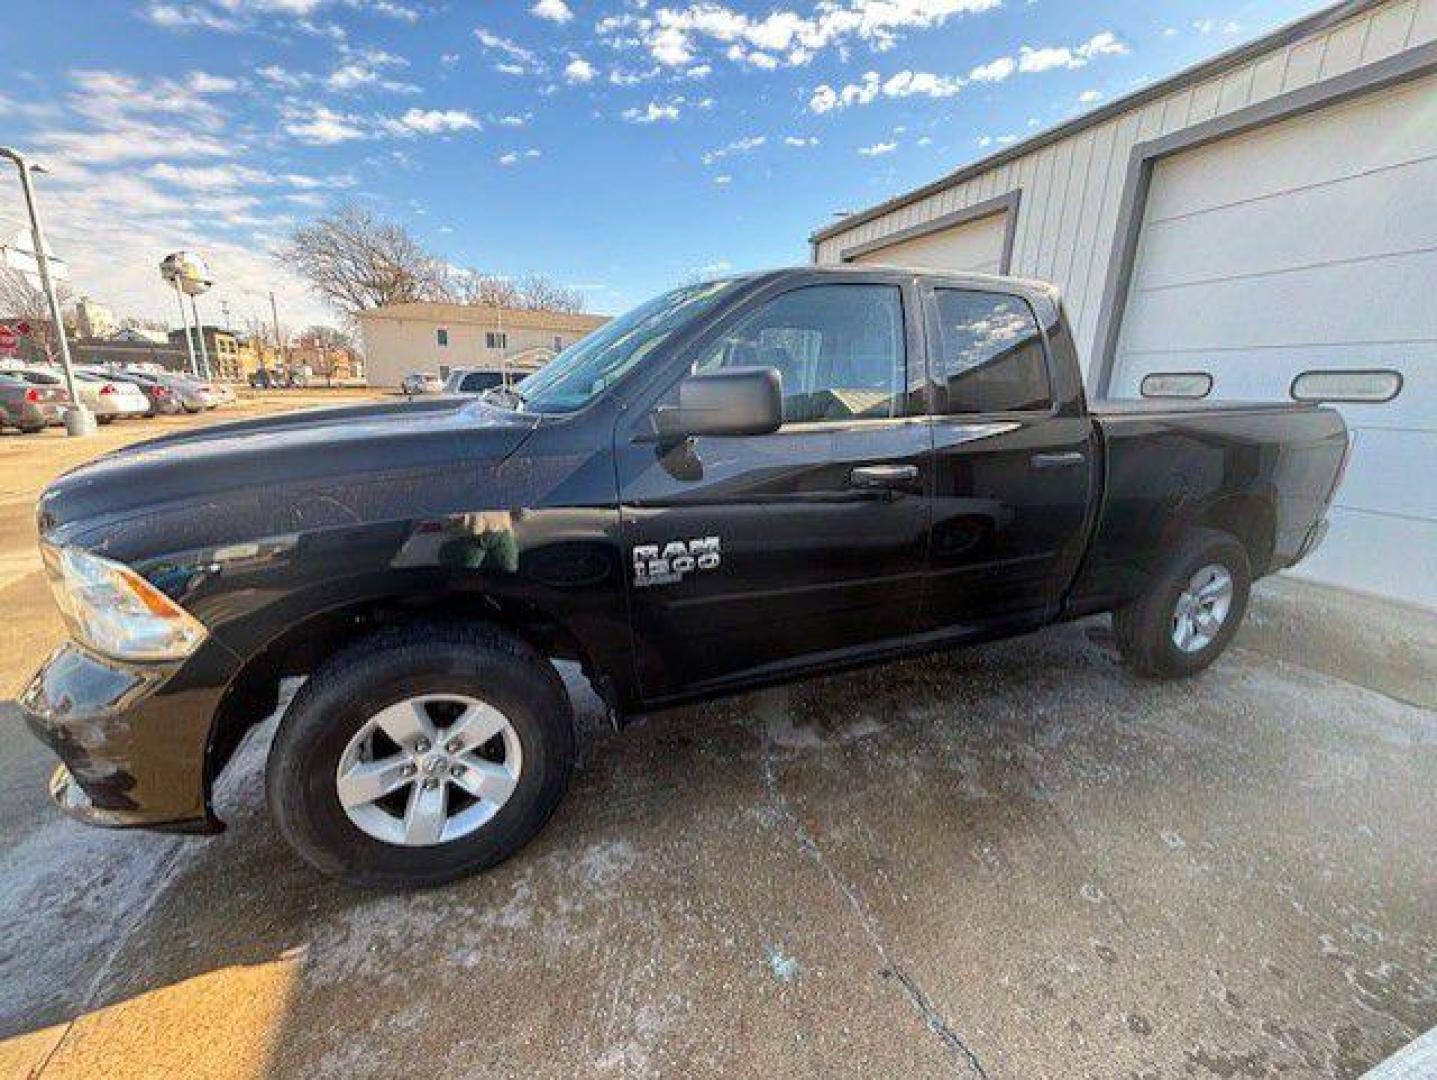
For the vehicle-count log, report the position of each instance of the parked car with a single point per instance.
(473, 381)
(739, 483)
(162, 399)
(29, 407)
(422, 382)
(110, 398)
(192, 395)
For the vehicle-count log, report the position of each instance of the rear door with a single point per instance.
(750, 553)
(1013, 465)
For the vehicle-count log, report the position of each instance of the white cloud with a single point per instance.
(430, 122)
(738, 146)
(878, 149)
(514, 157)
(1033, 60)
(208, 177)
(1088, 97)
(554, 10)
(994, 71)
(674, 36)
(800, 141)
(1213, 26)
(518, 60)
(903, 84)
(579, 70)
(723, 179)
(322, 126)
(188, 17)
(654, 112)
(282, 78)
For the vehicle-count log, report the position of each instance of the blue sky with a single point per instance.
(616, 145)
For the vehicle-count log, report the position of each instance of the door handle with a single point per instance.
(884, 477)
(1058, 461)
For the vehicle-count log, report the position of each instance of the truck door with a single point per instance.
(746, 553)
(1013, 463)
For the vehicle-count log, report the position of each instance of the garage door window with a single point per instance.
(839, 350)
(990, 354)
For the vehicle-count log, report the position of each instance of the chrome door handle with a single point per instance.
(884, 477)
(1058, 461)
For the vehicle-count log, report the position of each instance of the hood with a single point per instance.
(282, 458)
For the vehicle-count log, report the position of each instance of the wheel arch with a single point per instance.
(1252, 520)
(253, 693)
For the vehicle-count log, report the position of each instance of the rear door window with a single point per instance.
(989, 356)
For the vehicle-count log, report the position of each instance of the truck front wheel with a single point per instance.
(1190, 610)
(420, 755)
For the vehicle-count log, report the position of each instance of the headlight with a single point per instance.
(115, 611)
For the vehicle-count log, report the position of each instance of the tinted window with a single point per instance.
(443, 336)
(476, 381)
(839, 350)
(990, 354)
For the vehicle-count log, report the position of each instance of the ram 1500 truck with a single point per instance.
(741, 482)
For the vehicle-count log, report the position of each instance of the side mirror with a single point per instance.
(731, 401)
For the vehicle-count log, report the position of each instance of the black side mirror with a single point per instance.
(731, 401)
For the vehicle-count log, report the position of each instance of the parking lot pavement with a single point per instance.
(1014, 861)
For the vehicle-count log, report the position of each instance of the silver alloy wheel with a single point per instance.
(424, 771)
(1202, 608)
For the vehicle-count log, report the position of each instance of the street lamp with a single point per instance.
(78, 420)
(189, 276)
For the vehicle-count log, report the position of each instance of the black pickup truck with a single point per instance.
(741, 482)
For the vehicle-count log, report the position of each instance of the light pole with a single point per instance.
(190, 277)
(78, 420)
(185, 323)
(200, 334)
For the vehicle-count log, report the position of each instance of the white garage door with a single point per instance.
(1307, 245)
(975, 246)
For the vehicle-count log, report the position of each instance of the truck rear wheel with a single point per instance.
(1191, 609)
(420, 755)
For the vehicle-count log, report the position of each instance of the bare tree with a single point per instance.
(357, 262)
(531, 292)
(538, 293)
(23, 301)
(328, 337)
(485, 290)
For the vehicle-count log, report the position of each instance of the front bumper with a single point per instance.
(132, 738)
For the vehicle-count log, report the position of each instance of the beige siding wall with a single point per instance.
(1072, 188)
(395, 347)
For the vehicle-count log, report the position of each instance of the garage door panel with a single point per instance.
(1383, 478)
(1305, 246)
(1380, 213)
(973, 247)
(1353, 303)
(1394, 127)
(1250, 374)
(1387, 556)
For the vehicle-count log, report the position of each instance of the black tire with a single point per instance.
(389, 667)
(104, 419)
(1145, 628)
(34, 429)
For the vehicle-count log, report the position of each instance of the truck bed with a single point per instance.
(1262, 470)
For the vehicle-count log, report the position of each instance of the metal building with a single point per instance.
(1265, 215)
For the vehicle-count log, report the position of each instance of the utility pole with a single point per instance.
(200, 334)
(78, 420)
(278, 341)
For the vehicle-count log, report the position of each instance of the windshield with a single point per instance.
(580, 373)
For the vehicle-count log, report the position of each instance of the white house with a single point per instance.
(1267, 213)
(437, 337)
